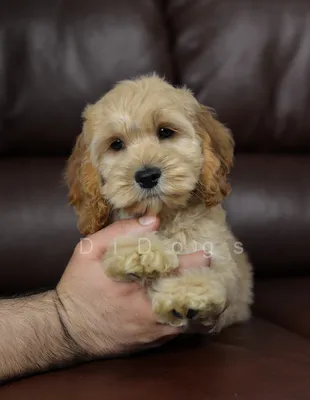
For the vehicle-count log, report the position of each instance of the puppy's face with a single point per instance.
(147, 145)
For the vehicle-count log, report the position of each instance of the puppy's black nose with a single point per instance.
(148, 177)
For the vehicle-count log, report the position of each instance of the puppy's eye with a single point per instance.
(117, 145)
(165, 133)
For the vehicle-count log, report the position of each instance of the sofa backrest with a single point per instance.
(58, 56)
(249, 60)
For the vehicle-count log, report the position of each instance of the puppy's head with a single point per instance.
(146, 145)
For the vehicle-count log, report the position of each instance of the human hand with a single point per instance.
(104, 318)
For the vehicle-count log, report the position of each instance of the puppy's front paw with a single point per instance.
(194, 295)
(132, 258)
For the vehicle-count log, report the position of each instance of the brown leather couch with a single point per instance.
(248, 59)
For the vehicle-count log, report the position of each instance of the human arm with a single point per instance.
(32, 337)
(87, 316)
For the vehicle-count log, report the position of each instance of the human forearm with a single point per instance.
(89, 317)
(32, 337)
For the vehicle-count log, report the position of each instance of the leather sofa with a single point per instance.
(247, 59)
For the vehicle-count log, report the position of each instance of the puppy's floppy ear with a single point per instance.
(218, 149)
(84, 189)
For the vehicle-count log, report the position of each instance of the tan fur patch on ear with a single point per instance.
(84, 190)
(218, 149)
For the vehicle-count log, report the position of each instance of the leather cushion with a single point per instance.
(285, 302)
(55, 57)
(38, 232)
(268, 210)
(250, 61)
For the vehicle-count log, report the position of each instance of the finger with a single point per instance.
(163, 339)
(171, 331)
(194, 260)
(199, 329)
(99, 241)
(143, 305)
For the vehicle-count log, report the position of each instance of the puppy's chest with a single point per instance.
(186, 235)
(183, 241)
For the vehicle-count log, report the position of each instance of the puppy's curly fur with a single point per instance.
(147, 123)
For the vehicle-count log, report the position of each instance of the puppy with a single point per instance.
(150, 148)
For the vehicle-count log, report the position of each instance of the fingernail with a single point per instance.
(149, 220)
(207, 259)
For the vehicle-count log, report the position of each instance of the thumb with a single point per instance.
(102, 239)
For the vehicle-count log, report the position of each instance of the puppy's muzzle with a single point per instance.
(148, 177)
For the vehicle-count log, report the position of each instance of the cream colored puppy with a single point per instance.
(150, 148)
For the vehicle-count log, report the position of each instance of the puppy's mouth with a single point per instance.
(152, 194)
(151, 189)
(147, 202)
